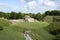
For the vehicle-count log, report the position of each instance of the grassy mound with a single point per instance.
(4, 22)
(7, 33)
(48, 19)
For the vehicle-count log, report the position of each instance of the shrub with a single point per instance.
(4, 22)
(1, 28)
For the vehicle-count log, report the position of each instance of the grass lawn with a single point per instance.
(9, 34)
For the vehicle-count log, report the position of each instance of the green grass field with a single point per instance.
(37, 30)
(8, 32)
(15, 32)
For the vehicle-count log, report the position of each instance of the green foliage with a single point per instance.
(4, 22)
(48, 19)
(53, 13)
(56, 18)
(14, 15)
(1, 28)
(20, 15)
(38, 16)
(54, 29)
(57, 37)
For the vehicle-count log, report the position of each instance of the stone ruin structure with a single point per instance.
(29, 19)
(26, 19)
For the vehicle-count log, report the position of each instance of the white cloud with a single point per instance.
(22, 1)
(32, 4)
(50, 3)
(39, 5)
(47, 2)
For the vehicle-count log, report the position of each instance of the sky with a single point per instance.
(29, 6)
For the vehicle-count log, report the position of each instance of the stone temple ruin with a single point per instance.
(26, 19)
(29, 19)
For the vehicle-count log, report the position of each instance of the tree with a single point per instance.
(47, 13)
(12, 15)
(20, 15)
(53, 13)
(38, 16)
(1, 14)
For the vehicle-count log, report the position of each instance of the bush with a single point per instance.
(4, 22)
(1, 28)
(54, 29)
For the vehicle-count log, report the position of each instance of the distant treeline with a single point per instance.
(38, 16)
(53, 13)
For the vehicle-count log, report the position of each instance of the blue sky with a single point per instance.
(27, 6)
